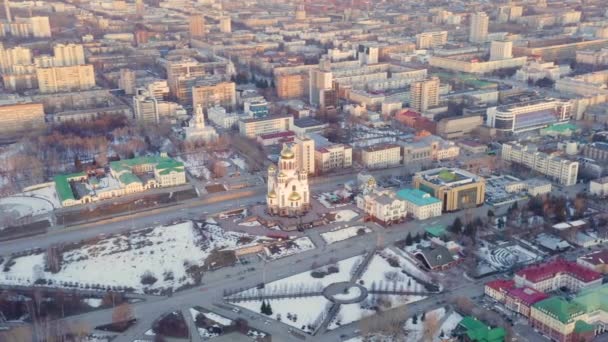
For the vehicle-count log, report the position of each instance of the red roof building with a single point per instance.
(556, 274)
(596, 261)
(520, 299)
(497, 289)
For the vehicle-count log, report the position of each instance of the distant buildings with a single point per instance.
(528, 114)
(424, 94)
(599, 187)
(20, 118)
(68, 54)
(214, 92)
(596, 261)
(197, 25)
(429, 40)
(457, 189)
(37, 27)
(65, 78)
(304, 149)
(563, 171)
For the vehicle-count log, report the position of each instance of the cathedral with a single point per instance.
(288, 193)
(197, 130)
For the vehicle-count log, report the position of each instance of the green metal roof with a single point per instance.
(478, 331)
(418, 197)
(560, 309)
(593, 299)
(436, 230)
(561, 127)
(582, 326)
(62, 185)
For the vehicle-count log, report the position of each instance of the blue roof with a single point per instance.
(418, 197)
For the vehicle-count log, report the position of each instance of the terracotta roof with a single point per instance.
(501, 284)
(541, 272)
(596, 258)
(527, 295)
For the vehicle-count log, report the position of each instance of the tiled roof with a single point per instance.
(418, 197)
(527, 295)
(596, 258)
(541, 272)
(501, 284)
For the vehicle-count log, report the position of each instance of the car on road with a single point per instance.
(236, 310)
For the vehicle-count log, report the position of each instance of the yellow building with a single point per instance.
(21, 117)
(213, 93)
(65, 79)
(457, 189)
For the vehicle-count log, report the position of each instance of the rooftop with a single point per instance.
(418, 197)
(479, 331)
(448, 176)
(62, 184)
(541, 272)
(596, 258)
(560, 309)
(527, 295)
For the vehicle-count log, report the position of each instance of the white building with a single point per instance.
(381, 156)
(197, 130)
(599, 187)
(220, 117)
(288, 193)
(478, 27)
(332, 157)
(304, 148)
(251, 128)
(383, 207)
(420, 204)
(535, 70)
(528, 115)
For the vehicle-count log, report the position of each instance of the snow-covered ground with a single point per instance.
(306, 311)
(410, 267)
(240, 162)
(343, 234)
(35, 202)
(254, 223)
(93, 302)
(380, 273)
(220, 321)
(307, 282)
(450, 323)
(349, 313)
(345, 215)
(353, 293)
(291, 247)
(163, 252)
(415, 332)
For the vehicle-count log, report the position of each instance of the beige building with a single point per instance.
(251, 128)
(478, 27)
(304, 149)
(291, 86)
(551, 50)
(501, 50)
(599, 187)
(424, 94)
(17, 55)
(40, 27)
(457, 189)
(127, 81)
(332, 157)
(382, 206)
(562, 170)
(18, 118)
(197, 25)
(474, 64)
(210, 93)
(65, 79)
(381, 156)
(458, 127)
(429, 40)
(68, 54)
(181, 75)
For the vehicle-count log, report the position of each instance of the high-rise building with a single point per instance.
(197, 26)
(424, 94)
(427, 40)
(145, 107)
(501, 49)
(301, 12)
(64, 79)
(14, 56)
(139, 8)
(127, 81)
(225, 24)
(68, 54)
(304, 149)
(320, 79)
(181, 75)
(7, 11)
(214, 92)
(159, 89)
(478, 27)
(40, 27)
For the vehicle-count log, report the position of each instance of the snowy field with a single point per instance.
(380, 273)
(345, 215)
(239, 162)
(220, 322)
(163, 253)
(289, 247)
(343, 234)
(305, 313)
(35, 202)
(415, 331)
(195, 165)
(307, 282)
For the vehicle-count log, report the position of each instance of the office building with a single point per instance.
(458, 127)
(501, 50)
(457, 189)
(214, 92)
(19, 118)
(599, 187)
(159, 89)
(256, 108)
(292, 86)
(381, 156)
(561, 170)
(68, 54)
(430, 40)
(288, 193)
(478, 27)
(419, 204)
(127, 81)
(304, 149)
(320, 80)
(65, 79)
(332, 157)
(197, 25)
(181, 76)
(424, 94)
(251, 128)
(526, 114)
(145, 107)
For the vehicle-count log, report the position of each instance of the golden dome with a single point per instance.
(271, 167)
(287, 153)
(294, 196)
(272, 194)
(282, 174)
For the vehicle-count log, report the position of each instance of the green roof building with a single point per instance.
(477, 331)
(63, 187)
(420, 204)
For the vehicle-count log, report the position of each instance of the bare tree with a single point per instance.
(431, 326)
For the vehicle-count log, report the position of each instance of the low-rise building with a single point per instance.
(381, 156)
(382, 207)
(555, 274)
(457, 127)
(596, 261)
(420, 204)
(599, 187)
(251, 128)
(456, 188)
(333, 157)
